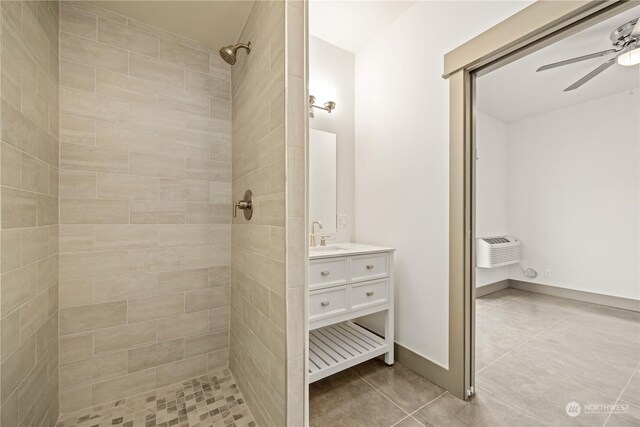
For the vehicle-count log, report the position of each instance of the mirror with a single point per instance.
(322, 179)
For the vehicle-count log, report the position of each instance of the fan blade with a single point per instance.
(577, 59)
(636, 30)
(592, 74)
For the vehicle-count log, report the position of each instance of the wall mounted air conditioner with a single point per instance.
(498, 251)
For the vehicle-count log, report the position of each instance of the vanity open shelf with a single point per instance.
(346, 282)
(341, 346)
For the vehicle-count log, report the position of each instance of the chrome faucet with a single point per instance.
(312, 242)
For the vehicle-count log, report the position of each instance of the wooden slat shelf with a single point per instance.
(341, 346)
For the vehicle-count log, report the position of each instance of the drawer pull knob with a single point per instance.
(370, 293)
(370, 267)
(325, 303)
(325, 273)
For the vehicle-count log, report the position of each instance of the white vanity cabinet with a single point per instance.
(348, 281)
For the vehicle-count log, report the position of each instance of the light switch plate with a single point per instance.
(342, 221)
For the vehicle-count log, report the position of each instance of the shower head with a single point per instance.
(228, 53)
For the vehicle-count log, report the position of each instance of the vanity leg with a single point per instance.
(388, 336)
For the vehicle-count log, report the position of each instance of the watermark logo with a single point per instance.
(573, 409)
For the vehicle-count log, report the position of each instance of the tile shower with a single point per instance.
(123, 277)
(145, 172)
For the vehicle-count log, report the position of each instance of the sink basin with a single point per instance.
(329, 248)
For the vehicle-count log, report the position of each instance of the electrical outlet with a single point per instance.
(547, 273)
(342, 221)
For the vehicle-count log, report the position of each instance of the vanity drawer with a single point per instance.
(328, 302)
(367, 294)
(367, 267)
(327, 272)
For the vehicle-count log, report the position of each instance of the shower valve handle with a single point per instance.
(246, 204)
(242, 205)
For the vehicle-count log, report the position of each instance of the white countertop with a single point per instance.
(344, 249)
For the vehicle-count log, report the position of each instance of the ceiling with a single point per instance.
(353, 23)
(516, 91)
(213, 23)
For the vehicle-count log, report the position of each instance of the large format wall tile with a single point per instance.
(145, 175)
(258, 290)
(29, 185)
(123, 337)
(296, 122)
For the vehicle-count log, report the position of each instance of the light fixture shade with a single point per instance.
(630, 58)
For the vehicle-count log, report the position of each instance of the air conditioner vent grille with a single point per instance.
(494, 240)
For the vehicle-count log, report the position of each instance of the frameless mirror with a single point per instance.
(322, 179)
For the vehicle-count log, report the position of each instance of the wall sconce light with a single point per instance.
(328, 106)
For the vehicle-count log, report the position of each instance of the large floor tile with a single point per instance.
(501, 333)
(608, 327)
(500, 297)
(624, 415)
(542, 312)
(563, 304)
(554, 360)
(611, 312)
(404, 387)
(533, 318)
(594, 345)
(544, 392)
(580, 352)
(632, 392)
(482, 410)
(344, 399)
(485, 356)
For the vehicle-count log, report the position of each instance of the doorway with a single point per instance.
(557, 245)
(464, 204)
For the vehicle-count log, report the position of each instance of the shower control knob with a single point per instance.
(246, 204)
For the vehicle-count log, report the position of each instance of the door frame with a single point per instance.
(531, 29)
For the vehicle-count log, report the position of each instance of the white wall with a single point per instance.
(333, 67)
(491, 189)
(402, 161)
(574, 195)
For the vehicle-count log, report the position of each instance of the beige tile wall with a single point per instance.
(258, 349)
(297, 250)
(29, 214)
(145, 191)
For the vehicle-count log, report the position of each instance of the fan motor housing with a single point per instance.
(621, 36)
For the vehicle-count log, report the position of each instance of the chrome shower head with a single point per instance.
(228, 53)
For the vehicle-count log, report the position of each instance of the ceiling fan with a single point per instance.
(626, 47)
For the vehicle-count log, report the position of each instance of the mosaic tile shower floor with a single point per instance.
(209, 400)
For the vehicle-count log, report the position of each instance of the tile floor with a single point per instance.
(535, 354)
(209, 400)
